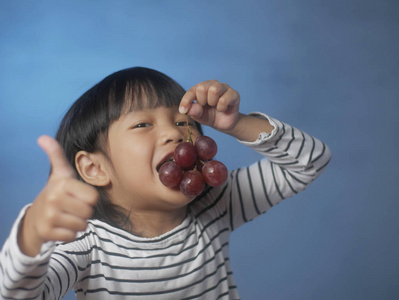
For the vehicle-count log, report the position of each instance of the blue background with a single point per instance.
(330, 68)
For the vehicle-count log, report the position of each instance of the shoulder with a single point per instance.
(96, 235)
(212, 203)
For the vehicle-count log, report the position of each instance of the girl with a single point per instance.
(107, 227)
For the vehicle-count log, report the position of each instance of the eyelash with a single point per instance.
(180, 123)
(140, 125)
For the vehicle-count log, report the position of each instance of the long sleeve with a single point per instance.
(49, 275)
(293, 159)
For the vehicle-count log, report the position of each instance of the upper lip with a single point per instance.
(164, 159)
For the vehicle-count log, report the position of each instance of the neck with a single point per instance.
(151, 224)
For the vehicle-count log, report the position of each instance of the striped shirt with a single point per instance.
(189, 262)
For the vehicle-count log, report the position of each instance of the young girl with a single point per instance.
(107, 227)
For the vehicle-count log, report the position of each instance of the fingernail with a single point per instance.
(182, 110)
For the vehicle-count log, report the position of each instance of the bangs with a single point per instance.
(151, 89)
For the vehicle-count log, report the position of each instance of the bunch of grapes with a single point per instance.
(193, 165)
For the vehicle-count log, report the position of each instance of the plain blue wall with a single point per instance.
(328, 67)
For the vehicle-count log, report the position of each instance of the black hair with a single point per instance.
(85, 125)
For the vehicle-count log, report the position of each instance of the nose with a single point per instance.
(171, 134)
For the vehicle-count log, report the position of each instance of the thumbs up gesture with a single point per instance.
(62, 207)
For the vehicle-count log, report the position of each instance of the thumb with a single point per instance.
(56, 155)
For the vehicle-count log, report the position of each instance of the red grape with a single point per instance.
(199, 165)
(189, 171)
(206, 147)
(170, 174)
(185, 155)
(192, 183)
(214, 172)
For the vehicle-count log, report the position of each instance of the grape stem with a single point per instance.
(189, 139)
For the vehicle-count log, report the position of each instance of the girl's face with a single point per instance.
(138, 143)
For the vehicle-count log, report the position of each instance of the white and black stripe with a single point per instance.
(189, 262)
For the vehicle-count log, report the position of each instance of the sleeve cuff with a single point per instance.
(45, 250)
(263, 136)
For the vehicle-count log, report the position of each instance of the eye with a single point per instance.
(181, 123)
(184, 123)
(142, 125)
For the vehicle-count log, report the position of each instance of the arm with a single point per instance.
(48, 275)
(295, 158)
(29, 267)
(62, 207)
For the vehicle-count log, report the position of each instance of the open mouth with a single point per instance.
(167, 158)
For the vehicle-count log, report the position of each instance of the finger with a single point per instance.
(56, 155)
(215, 91)
(59, 227)
(201, 92)
(198, 93)
(77, 208)
(196, 111)
(230, 98)
(82, 191)
(187, 101)
(202, 114)
(61, 234)
(71, 222)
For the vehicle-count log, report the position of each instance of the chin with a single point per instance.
(177, 198)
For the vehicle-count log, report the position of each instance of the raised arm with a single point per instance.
(295, 158)
(28, 268)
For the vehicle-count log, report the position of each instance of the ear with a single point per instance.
(91, 167)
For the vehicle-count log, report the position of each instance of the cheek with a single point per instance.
(132, 160)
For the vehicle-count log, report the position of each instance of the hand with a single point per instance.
(63, 206)
(216, 105)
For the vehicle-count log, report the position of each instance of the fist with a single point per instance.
(62, 207)
(212, 103)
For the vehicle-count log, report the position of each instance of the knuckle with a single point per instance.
(53, 197)
(201, 88)
(223, 101)
(59, 187)
(51, 216)
(191, 90)
(215, 89)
